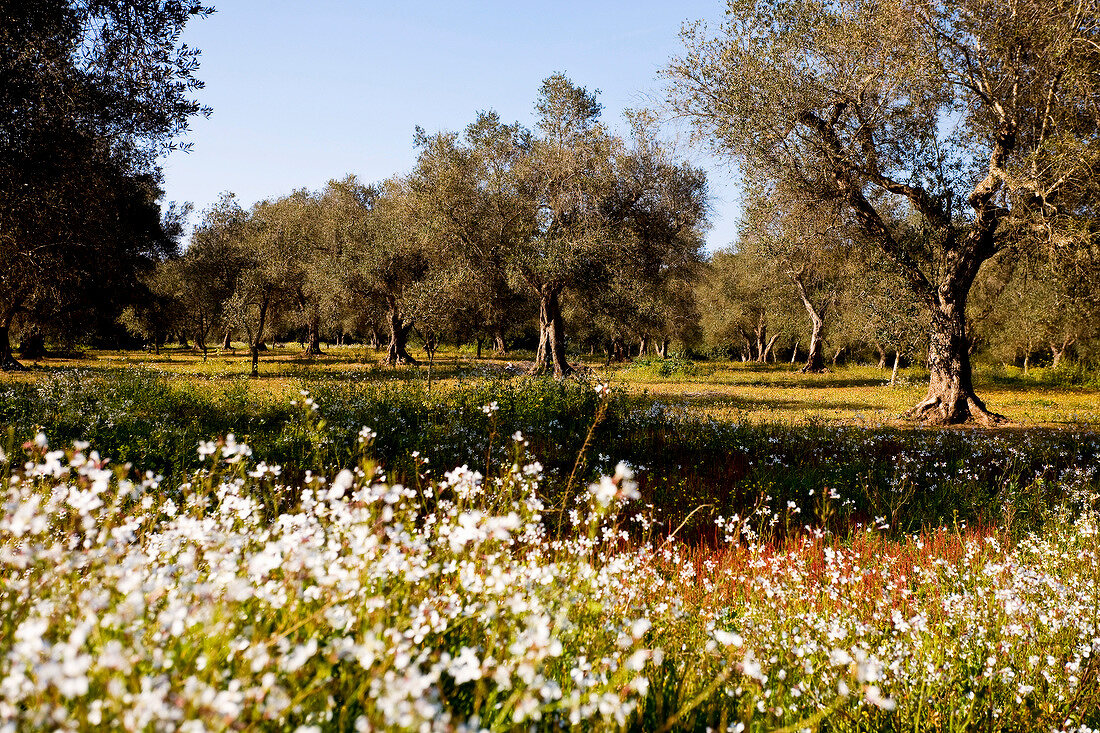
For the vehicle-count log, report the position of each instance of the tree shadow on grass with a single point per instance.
(237, 368)
(718, 400)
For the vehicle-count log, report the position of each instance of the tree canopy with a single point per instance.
(90, 94)
(949, 131)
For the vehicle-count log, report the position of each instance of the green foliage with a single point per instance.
(91, 93)
(1067, 374)
(910, 479)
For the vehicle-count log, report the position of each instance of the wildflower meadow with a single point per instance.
(347, 590)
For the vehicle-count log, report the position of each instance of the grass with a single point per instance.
(705, 546)
(691, 468)
(723, 391)
(859, 395)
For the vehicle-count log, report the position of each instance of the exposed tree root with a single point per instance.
(543, 368)
(935, 410)
(393, 360)
(9, 364)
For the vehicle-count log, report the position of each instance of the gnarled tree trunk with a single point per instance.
(550, 358)
(761, 333)
(399, 338)
(951, 399)
(768, 349)
(814, 361)
(313, 336)
(257, 340)
(1057, 351)
(312, 318)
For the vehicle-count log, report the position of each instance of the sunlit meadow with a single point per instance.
(240, 595)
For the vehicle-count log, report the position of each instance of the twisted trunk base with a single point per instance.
(951, 404)
(815, 361)
(951, 399)
(399, 338)
(550, 358)
(313, 340)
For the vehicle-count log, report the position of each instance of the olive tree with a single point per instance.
(91, 93)
(745, 305)
(809, 245)
(566, 210)
(380, 252)
(949, 129)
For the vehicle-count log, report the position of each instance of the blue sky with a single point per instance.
(307, 91)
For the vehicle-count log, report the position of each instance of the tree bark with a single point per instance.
(814, 361)
(746, 350)
(761, 334)
(643, 347)
(7, 358)
(768, 349)
(1058, 351)
(257, 341)
(894, 375)
(794, 352)
(399, 337)
(550, 358)
(313, 336)
(312, 318)
(662, 348)
(227, 342)
(881, 355)
(951, 399)
(498, 344)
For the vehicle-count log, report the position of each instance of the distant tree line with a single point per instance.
(497, 233)
(918, 176)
